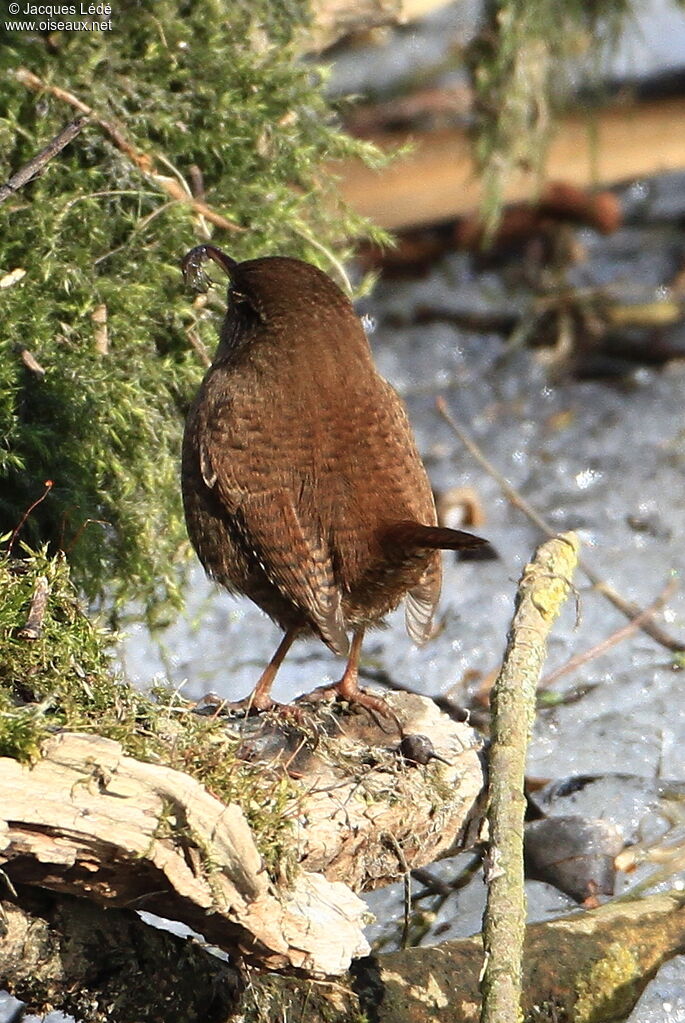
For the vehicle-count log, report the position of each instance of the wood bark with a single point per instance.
(438, 179)
(106, 965)
(88, 820)
(542, 590)
(589, 966)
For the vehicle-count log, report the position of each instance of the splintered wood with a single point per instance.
(88, 820)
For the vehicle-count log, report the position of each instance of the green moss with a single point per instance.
(215, 85)
(64, 679)
(601, 996)
(517, 65)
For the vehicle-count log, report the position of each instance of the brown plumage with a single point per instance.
(302, 486)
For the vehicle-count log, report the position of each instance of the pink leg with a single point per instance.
(348, 686)
(260, 698)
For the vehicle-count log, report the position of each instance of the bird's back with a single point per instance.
(301, 412)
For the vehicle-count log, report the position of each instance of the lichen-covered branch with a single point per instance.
(544, 586)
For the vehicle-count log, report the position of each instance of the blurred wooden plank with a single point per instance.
(438, 180)
(334, 19)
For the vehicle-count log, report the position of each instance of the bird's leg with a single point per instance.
(348, 686)
(261, 698)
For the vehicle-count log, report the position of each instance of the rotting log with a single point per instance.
(87, 820)
(438, 179)
(584, 967)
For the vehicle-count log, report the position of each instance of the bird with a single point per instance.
(302, 485)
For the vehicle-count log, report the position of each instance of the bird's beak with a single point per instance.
(192, 265)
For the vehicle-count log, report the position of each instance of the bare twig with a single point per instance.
(616, 637)
(626, 607)
(37, 165)
(39, 602)
(198, 344)
(143, 161)
(406, 877)
(17, 529)
(544, 586)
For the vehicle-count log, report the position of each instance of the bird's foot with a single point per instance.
(212, 705)
(354, 696)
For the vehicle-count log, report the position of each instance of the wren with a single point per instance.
(302, 485)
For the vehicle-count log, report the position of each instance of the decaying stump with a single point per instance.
(88, 820)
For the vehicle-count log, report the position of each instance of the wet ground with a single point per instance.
(606, 458)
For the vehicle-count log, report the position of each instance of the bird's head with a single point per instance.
(274, 291)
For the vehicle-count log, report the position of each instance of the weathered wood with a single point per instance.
(351, 812)
(333, 19)
(438, 179)
(588, 965)
(90, 821)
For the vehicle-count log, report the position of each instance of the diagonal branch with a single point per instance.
(143, 161)
(37, 165)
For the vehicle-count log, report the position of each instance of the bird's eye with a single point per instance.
(237, 296)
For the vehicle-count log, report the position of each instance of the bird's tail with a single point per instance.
(412, 536)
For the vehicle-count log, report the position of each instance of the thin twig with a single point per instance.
(626, 607)
(49, 484)
(407, 887)
(612, 640)
(198, 344)
(143, 161)
(37, 165)
(432, 885)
